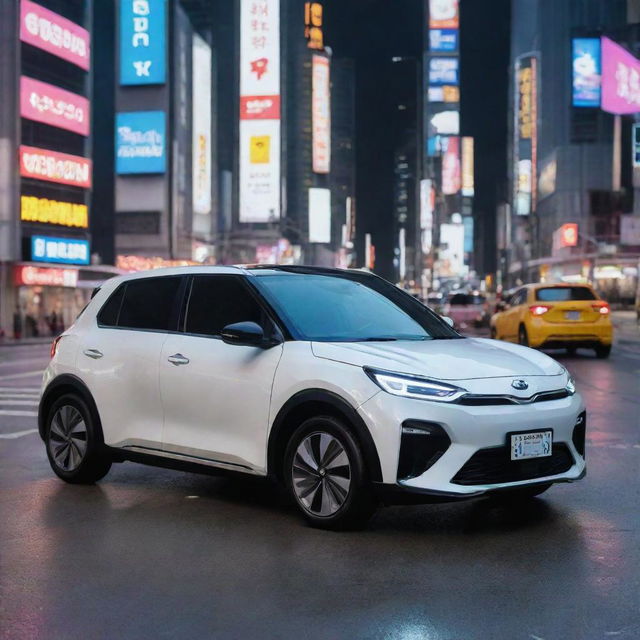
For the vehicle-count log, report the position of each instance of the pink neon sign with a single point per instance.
(620, 79)
(45, 103)
(53, 166)
(53, 33)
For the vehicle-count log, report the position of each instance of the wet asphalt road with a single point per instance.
(152, 553)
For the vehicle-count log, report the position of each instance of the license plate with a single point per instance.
(572, 315)
(531, 445)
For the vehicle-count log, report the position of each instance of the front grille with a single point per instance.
(494, 466)
(485, 400)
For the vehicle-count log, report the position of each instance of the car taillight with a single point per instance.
(602, 308)
(54, 345)
(539, 309)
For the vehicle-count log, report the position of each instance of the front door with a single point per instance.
(216, 396)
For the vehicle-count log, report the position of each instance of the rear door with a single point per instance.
(510, 318)
(569, 305)
(217, 396)
(119, 357)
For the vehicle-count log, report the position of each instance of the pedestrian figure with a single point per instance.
(17, 324)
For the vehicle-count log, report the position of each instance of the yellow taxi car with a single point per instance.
(555, 316)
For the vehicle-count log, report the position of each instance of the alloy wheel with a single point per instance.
(321, 474)
(68, 438)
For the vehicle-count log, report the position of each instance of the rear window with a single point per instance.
(563, 294)
(148, 304)
(464, 298)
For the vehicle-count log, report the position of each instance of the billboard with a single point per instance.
(45, 276)
(142, 41)
(451, 174)
(443, 71)
(587, 72)
(201, 141)
(443, 14)
(54, 34)
(445, 93)
(259, 172)
(526, 135)
(45, 103)
(467, 167)
(45, 211)
(319, 215)
(445, 122)
(59, 250)
(620, 79)
(140, 142)
(443, 40)
(53, 166)
(427, 207)
(320, 114)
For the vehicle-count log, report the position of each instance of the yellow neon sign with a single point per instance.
(67, 214)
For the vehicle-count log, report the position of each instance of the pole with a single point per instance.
(616, 170)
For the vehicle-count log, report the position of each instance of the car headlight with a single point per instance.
(571, 384)
(408, 386)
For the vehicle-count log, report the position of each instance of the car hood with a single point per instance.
(464, 359)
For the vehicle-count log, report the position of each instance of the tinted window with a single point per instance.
(466, 298)
(561, 294)
(108, 315)
(149, 303)
(518, 298)
(349, 308)
(217, 301)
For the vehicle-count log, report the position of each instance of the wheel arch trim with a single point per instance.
(342, 407)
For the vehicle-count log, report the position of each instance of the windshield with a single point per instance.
(349, 308)
(564, 294)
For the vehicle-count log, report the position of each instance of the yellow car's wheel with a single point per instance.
(523, 337)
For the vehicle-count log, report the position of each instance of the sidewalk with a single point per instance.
(11, 342)
(625, 325)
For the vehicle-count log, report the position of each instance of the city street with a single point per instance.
(153, 553)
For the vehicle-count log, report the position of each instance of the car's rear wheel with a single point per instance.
(74, 445)
(494, 333)
(326, 475)
(571, 351)
(603, 351)
(517, 495)
(523, 337)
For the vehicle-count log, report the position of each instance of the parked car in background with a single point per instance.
(467, 309)
(555, 316)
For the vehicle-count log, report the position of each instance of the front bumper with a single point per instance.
(473, 430)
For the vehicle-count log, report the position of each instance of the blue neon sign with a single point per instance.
(443, 39)
(443, 71)
(140, 142)
(587, 72)
(59, 250)
(142, 41)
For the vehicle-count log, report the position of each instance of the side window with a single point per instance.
(216, 301)
(518, 297)
(108, 315)
(149, 303)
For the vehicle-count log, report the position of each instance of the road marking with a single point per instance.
(17, 413)
(26, 374)
(19, 394)
(17, 434)
(20, 390)
(17, 403)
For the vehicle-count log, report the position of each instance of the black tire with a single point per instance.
(356, 503)
(511, 496)
(494, 333)
(85, 464)
(571, 351)
(523, 337)
(603, 352)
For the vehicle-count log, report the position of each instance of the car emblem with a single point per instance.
(520, 385)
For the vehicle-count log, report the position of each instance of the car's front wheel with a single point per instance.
(326, 475)
(603, 351)
(74, 446)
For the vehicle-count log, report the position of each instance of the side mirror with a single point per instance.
(448, 320)
(249, 334)
(501, 306)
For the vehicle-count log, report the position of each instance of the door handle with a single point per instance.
(178, 359)
(93, 353)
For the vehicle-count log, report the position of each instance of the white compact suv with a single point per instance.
(337, 383)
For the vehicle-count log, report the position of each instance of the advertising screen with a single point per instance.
(53, 166)
(443, 71)
(54, 34)
(320, 114)
(43, 102)
(445, 122)
(451, 174)
(586, 72)
(443, 40)
(620, 79)
(467, 167)
(140, 142)
(142, 42)
(526, 139)
(59, 250)
(443, 14)
(319, 215)
(45, 211)
(45, 276)
(201, 142)
(259, 181)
